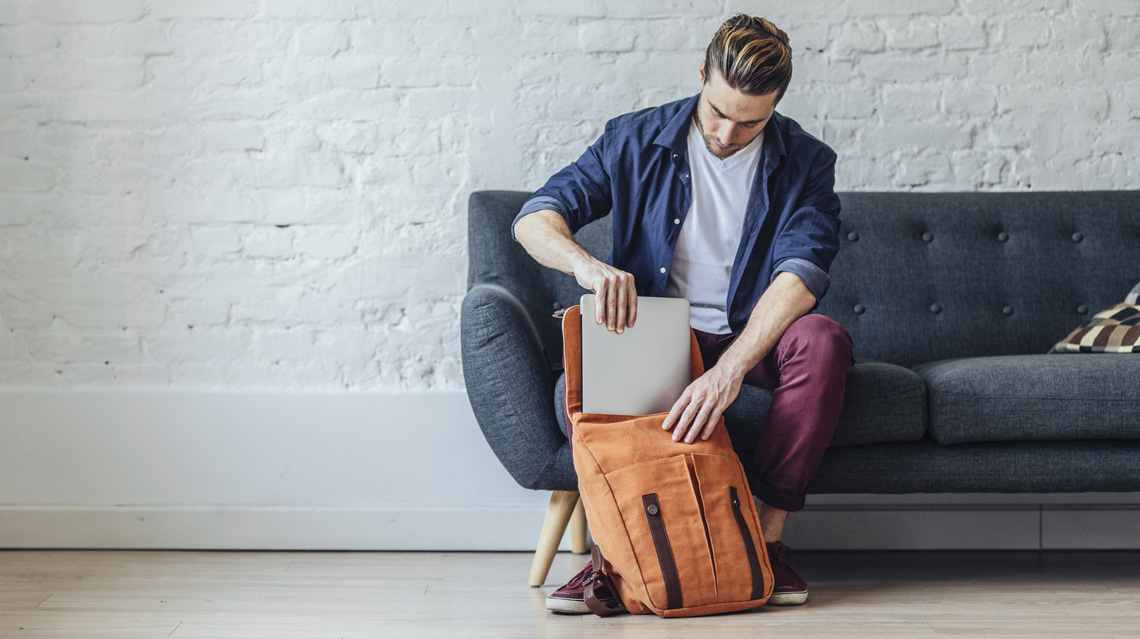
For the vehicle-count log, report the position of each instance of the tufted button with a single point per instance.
(928, 237)
(1077, 237)
(1082, 309)
(651, 509)
(859, 309)
(1008, 310)
(853, 236)
(1003, 237)
(558, 306)
(935, 308)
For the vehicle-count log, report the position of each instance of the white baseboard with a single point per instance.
(164, 470)
(517, 529)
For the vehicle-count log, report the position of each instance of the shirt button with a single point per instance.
(662, 270)
(1077, 237)
(860, 309)
(853, 236)
(1003, 237)
(935, 308)
(928, 237)
(1008, 310)
(1082, 309)
(677, 220)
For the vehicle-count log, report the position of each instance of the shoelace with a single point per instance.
(781, 553)
(584, 578)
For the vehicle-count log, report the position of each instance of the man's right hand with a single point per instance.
(546, 237)
(614, 290)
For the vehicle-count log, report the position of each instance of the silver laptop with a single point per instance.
(643, 370)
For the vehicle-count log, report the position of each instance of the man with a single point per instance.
(719, 199)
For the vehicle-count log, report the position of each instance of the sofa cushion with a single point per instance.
(1033, 397)
(883, 403)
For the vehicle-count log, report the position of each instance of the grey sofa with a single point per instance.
(952, 300)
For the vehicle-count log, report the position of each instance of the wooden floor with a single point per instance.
(94, 594)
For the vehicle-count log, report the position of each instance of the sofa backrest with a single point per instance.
(919, 276)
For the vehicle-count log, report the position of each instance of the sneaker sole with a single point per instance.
(788, 599)
(567, 606)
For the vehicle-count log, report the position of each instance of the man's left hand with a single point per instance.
(697, 411)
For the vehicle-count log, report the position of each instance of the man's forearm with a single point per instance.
(546, 237)
(786, 300)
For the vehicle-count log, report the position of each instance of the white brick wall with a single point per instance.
(271, 194)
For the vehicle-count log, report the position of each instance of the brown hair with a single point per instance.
(752, 55)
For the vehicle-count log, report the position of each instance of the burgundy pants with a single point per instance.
(807, 374)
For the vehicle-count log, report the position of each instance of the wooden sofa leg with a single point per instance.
(578, 530)
(558, 513)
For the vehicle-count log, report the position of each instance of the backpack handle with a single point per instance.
(592, 602)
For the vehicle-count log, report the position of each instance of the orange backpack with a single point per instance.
(675, 530)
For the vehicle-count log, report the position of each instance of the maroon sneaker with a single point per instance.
(790, 588)
(570, 598)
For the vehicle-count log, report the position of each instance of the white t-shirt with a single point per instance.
(706, 249)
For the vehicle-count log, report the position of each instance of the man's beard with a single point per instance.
(713, 146)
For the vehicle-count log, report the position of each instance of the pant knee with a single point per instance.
(821, 337)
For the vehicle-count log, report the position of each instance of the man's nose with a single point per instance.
(728, 134)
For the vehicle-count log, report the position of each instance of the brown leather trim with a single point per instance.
(749, 547)
(664, 550)
(592, 602)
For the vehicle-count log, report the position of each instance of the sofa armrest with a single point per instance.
(510, 388)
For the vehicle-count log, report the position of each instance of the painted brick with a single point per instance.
(26, 177)
(330, 10)
(606, 35)
(28, 40)
(78, 11)
(12, 13)
(962, 33)
(544, 9)
(221, 9)
(82, 346)
(291, 177)
(321, 39)
(919, 32)
(857, 38)
(895, 7)
(212, 37)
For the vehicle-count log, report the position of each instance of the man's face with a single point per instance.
(728, 119)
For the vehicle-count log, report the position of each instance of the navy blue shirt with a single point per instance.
(639, 170)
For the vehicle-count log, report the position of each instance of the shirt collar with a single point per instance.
(675, 134)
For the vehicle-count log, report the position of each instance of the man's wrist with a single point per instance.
(731, 364)
(579, 261)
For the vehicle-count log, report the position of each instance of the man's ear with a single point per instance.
(702, 71)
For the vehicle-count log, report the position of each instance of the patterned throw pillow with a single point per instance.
(1116, 329)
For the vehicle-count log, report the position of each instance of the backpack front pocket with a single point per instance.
(659, 507)
(736, 546)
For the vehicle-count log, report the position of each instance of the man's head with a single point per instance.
(746, 70)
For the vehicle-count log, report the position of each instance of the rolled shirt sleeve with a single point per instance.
(810, 238)
(580, 193)
(814, 278)
(538, 203)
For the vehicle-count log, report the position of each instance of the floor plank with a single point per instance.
(124, 594)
